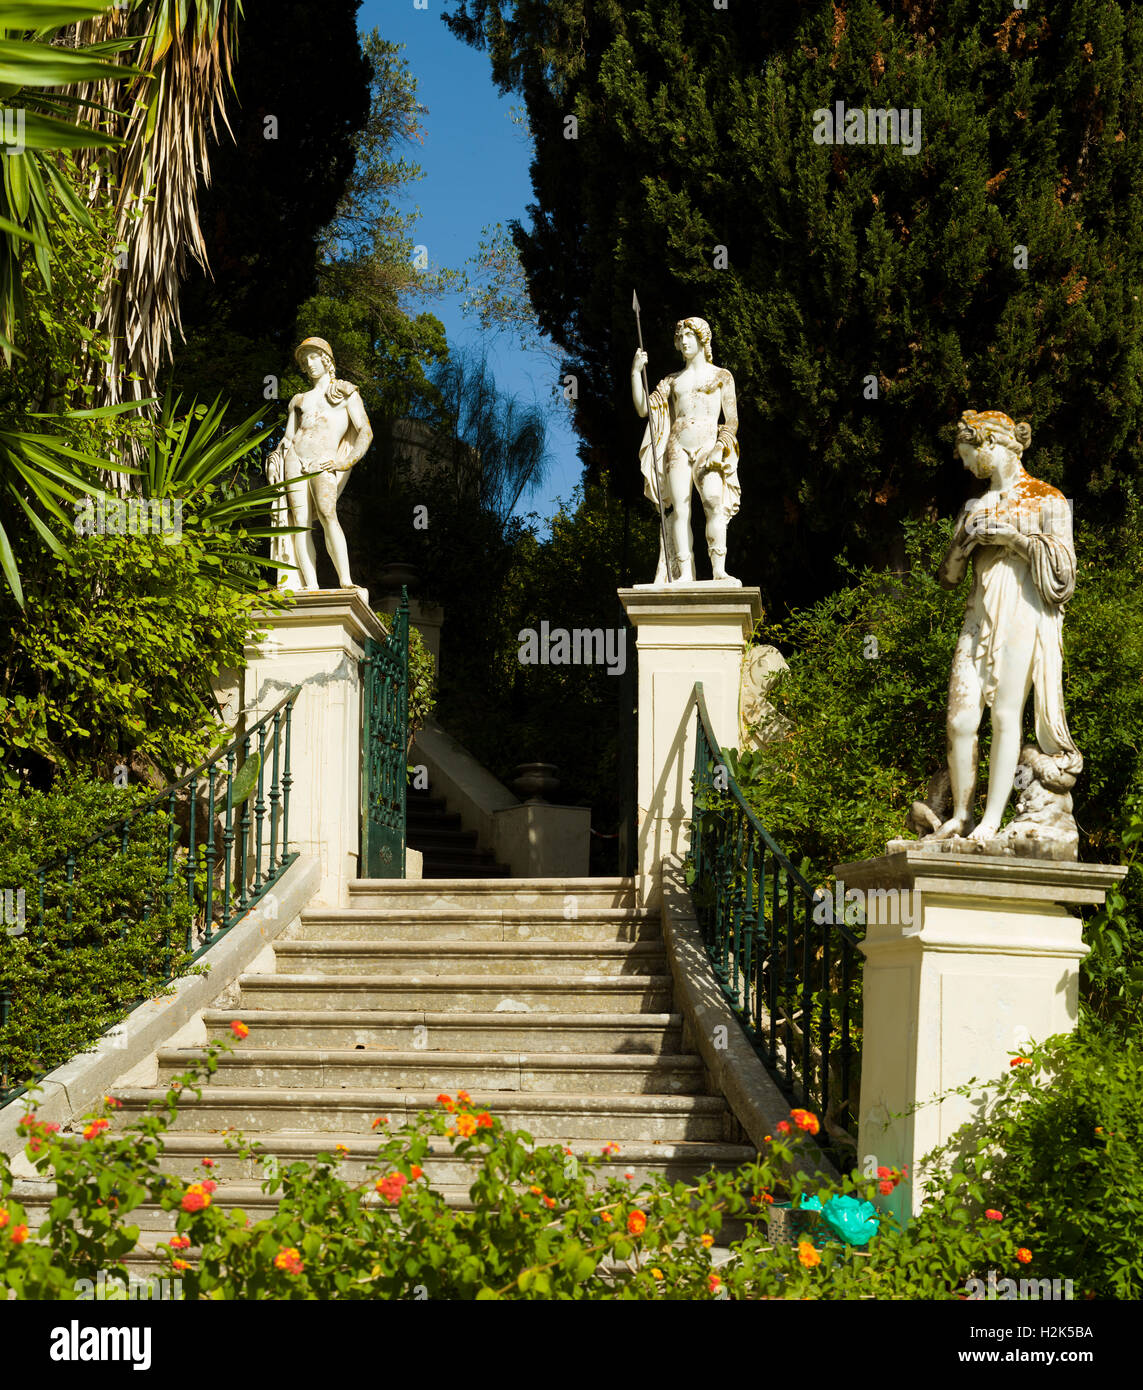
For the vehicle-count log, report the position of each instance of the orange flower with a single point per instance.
(610, 1148)
(195, 1198)
(289, 1260)
(5, 1217)
(391, 1187)
(885, 1188)
(804, 1119)
(95, 1128)
(536, 1191)
(444, 1100)
(1024, 1255)
(179, 1242)
(20, 1235)
(605, 1216)
(807, 1255)
(713, 1282)
(239, 1029)
(382, 1120)
(464, 1096)
(341, 1149)
(993, 1215)
(656, 1274)
(636, 1223)
(112, 1103)
(766, 1139)
(417, 1171)
(783, 1127)
(549, 1202)
(180, 1265)
(466, 1125)
(760, 1197)
(708, 1240)
(484, 1120)
(1020, 1062)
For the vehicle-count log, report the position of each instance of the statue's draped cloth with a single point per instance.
(1011, 592)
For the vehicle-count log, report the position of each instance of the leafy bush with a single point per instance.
(867, 693)
(541, 1228)
(1062, 1147)
(69, 980)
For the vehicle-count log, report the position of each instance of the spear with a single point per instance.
(654, 452)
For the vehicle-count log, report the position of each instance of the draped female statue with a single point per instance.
(1018, 535)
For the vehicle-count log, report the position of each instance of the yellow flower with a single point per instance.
(708, 1241)
(807, 1255)
(656, 1274)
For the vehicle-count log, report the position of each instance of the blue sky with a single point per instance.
(475, 163)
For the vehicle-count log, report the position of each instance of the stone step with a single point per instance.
(460, 994)
(478, 924)
(418, 960)
(560, 1033)
(434, 836)
(546, 1116)
(678, 1162)
(548, 1072)
(478, 892)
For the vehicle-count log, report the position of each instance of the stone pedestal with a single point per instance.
(967, 959)
(684, 633)
(318, 644)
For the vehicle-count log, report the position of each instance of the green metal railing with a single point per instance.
(216, 872)
(786, 968)
(385, 748)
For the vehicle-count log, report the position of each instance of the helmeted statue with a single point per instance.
(327, 432)
(684, 437)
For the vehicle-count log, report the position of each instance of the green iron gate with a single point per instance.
(385, 737)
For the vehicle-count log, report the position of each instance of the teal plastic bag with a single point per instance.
(853, 1221)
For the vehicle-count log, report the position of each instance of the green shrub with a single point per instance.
(1061, 1152)
(542, 1225)
(69, 980)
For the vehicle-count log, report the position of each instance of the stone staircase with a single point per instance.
(448, 850)
(548, 1001)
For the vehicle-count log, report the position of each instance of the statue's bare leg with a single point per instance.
(711, 491)
(305, 553)
(966, 706)
(678, 470)
(1007, 731)
(326, 490)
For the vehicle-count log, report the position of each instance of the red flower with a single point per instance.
(444, 1100)
(885, 1188)
(549, 1202)
(713, 1282)
(993, 1215)
(417, 1171)
(383, 1120)
(210, 1185)
(1020, 1062)
(804, 1119)
(609, 1148)
(95, 1128)
(20, 1235)
(464, 1096)
(179, 1242)
(195, 1198)
(484, 1120)
(112, 1103)
(1024, 1255)
(391, 1187)
(239, 1029)
(760, 1197)
(180, 1265)
(783, 1127)
(289, 1260)
(208, 1163)
(636, 1223)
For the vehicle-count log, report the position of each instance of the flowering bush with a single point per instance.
(543, 1224)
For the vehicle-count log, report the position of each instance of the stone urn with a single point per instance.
(535, 781)
(399, 575)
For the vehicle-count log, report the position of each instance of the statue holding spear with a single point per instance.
(684, 445)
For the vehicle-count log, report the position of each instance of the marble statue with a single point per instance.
(691, 449)
(759, 722)
(327, 432)
(1018, 535)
